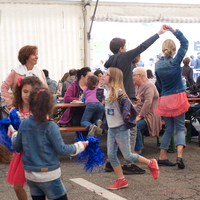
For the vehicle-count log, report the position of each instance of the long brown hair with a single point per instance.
(17, 91)
(115, 84)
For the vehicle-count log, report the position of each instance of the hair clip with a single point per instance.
(40, 90)
(19, 81)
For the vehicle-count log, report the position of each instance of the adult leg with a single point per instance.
(64, 197)
(38, 197)
(141, 124)
(180, 138)
(20, 192)
(166, 138)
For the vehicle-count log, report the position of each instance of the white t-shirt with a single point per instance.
(113, 114)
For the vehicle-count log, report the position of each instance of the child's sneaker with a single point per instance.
(153, 167)
(99, 130)
(119, 183)
(92, 130)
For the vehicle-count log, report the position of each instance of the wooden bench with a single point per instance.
(72, 129)
(172, 145)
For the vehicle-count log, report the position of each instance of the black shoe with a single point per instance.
(132, 169)
(108, 167)
(179, 162)
(166, 162)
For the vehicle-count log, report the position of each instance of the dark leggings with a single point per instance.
(64, 197)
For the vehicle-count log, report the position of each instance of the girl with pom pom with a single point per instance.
(120, 114)
(41, 142)
(21, 94)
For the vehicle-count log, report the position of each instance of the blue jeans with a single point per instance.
(170, 122)
(141, 124)
(119, 137)
(92, 110)
(52, 189)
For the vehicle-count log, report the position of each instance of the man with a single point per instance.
(51, 83)
(72, 78)
(147, 100)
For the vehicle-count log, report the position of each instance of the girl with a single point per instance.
(93, 96)
(173, 102)
(118, 132)
(21, 94)
(41, 141)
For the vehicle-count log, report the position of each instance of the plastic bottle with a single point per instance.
(82, 98)
(184, 82)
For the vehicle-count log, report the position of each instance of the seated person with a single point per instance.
(51, 83)
(147, 99)
(74, 92)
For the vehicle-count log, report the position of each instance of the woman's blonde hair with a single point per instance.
(168, 48)
(115, 84)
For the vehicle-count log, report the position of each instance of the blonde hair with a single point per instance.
(141, 71)
(115, 84)
(168, 48)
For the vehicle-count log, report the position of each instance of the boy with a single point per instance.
(122, 60)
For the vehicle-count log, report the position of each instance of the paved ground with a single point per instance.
(172, 183)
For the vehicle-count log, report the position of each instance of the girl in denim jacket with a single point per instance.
(173, 102)
(41, 142)
(118, 133)
(21, 92)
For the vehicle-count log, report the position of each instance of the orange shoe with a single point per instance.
(119, 183)
(153, 167)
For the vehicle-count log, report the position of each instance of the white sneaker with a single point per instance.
(99, 130)
(92, 130)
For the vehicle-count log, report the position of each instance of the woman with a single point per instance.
(187, 72)
(150, 76)
(99, 74)
(74, 92)
(28, 56)
(173, 102)
(60, 83)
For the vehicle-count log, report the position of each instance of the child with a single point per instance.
(94, 109)
(122, 60)
(118, 133)
(41, 141)
(21, 94)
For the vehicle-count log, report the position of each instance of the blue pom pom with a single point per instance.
(92, 156)
(4, 124)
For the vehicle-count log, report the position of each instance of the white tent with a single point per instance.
(59, 28)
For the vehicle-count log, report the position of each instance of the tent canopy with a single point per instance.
(59, 27)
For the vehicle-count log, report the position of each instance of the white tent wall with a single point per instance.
(140, 12)
(57, 30)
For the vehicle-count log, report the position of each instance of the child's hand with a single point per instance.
(138, 100)
(11, 130)
(127, 117)
(85, 144)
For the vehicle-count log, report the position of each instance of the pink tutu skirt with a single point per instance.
(172, 105)
(16, 174)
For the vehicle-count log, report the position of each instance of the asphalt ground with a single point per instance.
(172, 183)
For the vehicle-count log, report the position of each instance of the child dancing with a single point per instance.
(41, 141)
(94, 109)
(119, 117)
(21, 94)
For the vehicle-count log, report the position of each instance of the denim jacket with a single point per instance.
(168, 70)
(41, 145)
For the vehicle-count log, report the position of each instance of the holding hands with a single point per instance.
(165, 28)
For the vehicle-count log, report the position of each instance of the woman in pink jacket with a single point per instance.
(28, 56)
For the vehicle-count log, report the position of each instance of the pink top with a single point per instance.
(172, 105)
(90, 95)
(10, 80)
